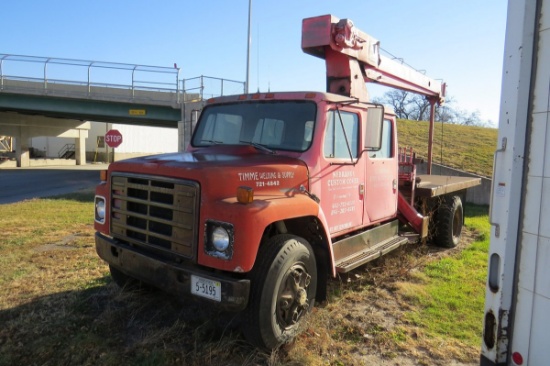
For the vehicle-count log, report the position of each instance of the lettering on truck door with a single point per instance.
(342, 180)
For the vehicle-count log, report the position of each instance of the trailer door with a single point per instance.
(517, 306)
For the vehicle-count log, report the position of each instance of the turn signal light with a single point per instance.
(245, 194)
(103, 175)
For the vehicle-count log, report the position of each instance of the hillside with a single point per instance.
(468, 148)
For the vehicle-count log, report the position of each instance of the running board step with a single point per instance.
(369, 254)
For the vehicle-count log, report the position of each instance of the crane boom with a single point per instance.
(353, 59)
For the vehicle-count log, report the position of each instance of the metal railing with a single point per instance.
(6, 144)
(67, 151)
(107, 80)
(90, 79)
(203, 87)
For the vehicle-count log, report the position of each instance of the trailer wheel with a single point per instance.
(449, 219)
(284, 282)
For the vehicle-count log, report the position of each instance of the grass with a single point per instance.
(466, 148)
(449, 293)
(423, 302)
(58, 305)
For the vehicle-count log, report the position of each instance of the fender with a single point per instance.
(322, 218)
(249, 222)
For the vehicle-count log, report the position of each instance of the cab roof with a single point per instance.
(295, 95)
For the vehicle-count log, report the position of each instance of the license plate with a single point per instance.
(206, 288)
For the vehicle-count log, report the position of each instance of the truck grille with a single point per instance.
(155, 213)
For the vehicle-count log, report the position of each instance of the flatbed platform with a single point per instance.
(437, 185)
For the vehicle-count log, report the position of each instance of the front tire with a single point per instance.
(284, 282)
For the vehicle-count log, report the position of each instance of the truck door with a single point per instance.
(381, 174)
(343, 171)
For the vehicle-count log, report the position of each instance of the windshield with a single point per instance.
(276, 125)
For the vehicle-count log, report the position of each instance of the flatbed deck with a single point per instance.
(437, 185)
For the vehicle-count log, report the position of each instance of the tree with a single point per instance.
(416, 107)
(446, 113)
(420, 107)
(406, 105)
(399, 100)
(470, 118)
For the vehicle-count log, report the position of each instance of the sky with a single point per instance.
(459, 41)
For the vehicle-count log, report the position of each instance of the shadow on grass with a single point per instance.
(472, 210)
(104, 325)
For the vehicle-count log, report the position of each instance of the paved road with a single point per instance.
(18, 184)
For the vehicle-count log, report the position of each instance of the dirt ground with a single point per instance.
(407, 361)
(383, 310)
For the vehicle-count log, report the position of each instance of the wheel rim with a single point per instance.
(293, 301)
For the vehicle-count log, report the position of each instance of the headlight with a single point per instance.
(220, 239)
(100, 209)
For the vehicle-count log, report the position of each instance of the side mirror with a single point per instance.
(373, 134)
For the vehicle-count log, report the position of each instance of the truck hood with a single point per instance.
(221, 169)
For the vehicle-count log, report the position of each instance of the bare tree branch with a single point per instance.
(412, 106)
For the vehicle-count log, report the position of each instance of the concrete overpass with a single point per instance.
(42, 96)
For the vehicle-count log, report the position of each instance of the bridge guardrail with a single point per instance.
(111, 81)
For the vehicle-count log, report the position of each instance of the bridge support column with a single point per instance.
(80, 147)
(22, 153)
(181, 136)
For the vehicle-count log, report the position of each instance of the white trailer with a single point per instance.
(517, 304)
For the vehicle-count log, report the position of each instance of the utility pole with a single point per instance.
(246, 88)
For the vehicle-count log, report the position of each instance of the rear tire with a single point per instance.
(449, 219)
(283, 286)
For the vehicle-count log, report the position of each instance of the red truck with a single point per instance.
(278, 191)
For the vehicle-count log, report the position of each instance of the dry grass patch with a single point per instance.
(58, 306)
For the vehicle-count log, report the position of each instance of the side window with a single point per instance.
(308, 134)
(385, 151)
(335, 137)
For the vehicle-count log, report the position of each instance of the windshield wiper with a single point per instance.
(213, 142)
(260, 147)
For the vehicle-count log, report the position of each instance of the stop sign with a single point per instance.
(113, 138)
